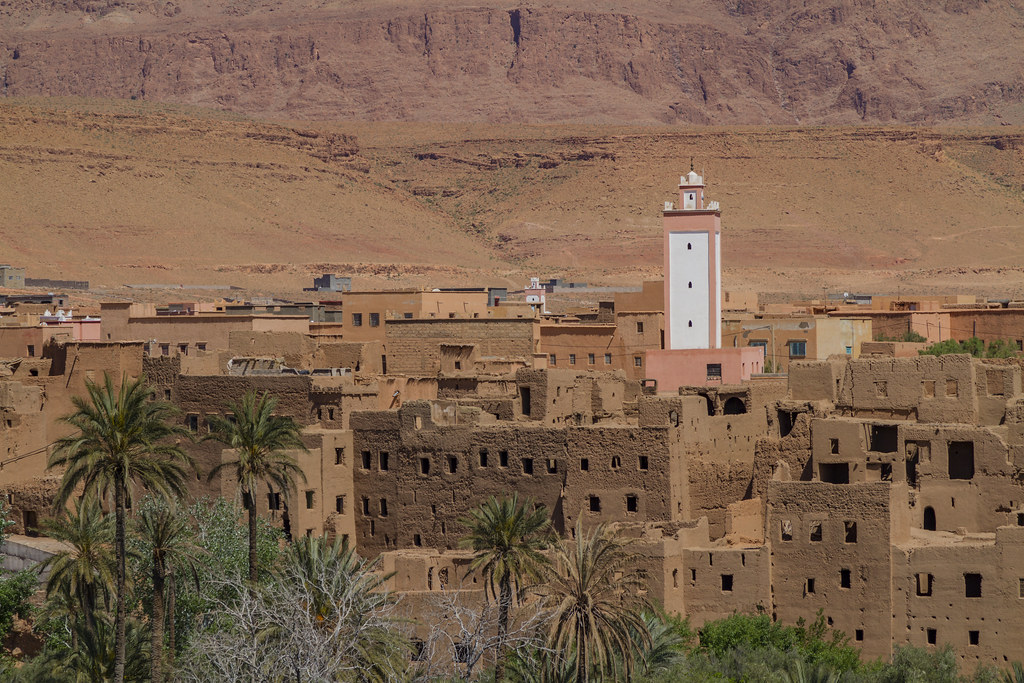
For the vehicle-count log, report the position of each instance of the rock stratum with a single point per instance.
(718, 62)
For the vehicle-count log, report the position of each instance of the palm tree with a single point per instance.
(83, 576)
(801, 672)
(91, 659)
(259, 439)
(508, 537)
(598, 602)
(168, 536)
(122, 438)
(1015, 674)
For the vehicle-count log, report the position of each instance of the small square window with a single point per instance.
(797, 348)
(951, 388)
(714, 371)
(928, 388)
(375, 320)
(357, 320)
(527, 465)
(638, 361)
(595, 504)
(727, 583)
(407, 315)
(932, 635)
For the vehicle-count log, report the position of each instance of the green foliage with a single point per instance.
(1000, 348)
(15, 589)
(816, 644)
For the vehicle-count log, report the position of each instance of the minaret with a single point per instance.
(693, 268)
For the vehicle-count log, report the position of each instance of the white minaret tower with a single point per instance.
(693, 268)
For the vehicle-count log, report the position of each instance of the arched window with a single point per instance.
(689, 245)
(734, 406)
(929, 518)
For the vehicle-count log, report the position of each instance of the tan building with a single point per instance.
(788, 338)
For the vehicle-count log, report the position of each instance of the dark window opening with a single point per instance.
(961, 459)
(727, 583)
(858, 635)
(883, 439)
(309, 500)
(924, 585)
(631, 503)
(584, 464)
(483, 457)
(714, 371)
(552, 466)
(616, 462)
(815, 532)
(929, 518)
(424, 465)
(339, 456)
(834, 472)
(524, 395)
(384, 461)
(734, 405)
(1020, 519)
(366, 505)
(366, 459)
(972, 585)
(786, 421)
(851, 532)
(527, 465)
(595, 504)
(933, 636)
(643, 462)
(417, 540)
(844, 578)
(786, 529)
(973, 637)
(453, 464)
(383, 507)
(375, 320)
(339, 504)
(833, 446)
(809, 588)
(503, 458)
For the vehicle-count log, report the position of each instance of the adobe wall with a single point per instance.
(817, 564)
(414, 346)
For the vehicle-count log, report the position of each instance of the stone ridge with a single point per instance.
(718, 62)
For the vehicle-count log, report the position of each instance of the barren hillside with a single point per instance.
(135, 193)
(720, 62)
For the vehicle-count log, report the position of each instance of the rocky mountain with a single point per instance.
(719, 62)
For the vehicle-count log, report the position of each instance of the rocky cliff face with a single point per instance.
(706, 62)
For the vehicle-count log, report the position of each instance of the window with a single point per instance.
(339, 456)
(815, 532)
(309, 500)
(524, 394)
(339, 504)
(383, 461)
(961, 459)
(417, 540)
(883, 439)
(31, 350)
(183, 349)
(527, 465)
(607, 359)
(552, 466)
(595, 504)
(797, 348)
(851, 532)
(375, 320)
(632, 503)
(590, 359)
(727, 583)
(165, 349)
(366, 505)
(844, 578)
(972, 585)
(638, 361)
(858, 635)
(366, 460)
(483, 457)
(424, 465)
(834, 472)
(714, 370)
(924, 585)
(933, 636)
(1020, 588)
(639, 327)
(786, 530)
(833, 446)
(453, 464)
(572, 359)
(616, 462)
(407, 315)
(552, 359)
(951, 388)
(973, 637)
(357, 320)
(273, 500)
(193, 422)
(383, 507)
(201, 346)
(584, 464)
(809, 587)
(643, 462)
(689, 245)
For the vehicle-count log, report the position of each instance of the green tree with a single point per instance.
(84, 575)
(169, 539)
(15, 588)
(92, 659)
(259, 440)
(507, 537)
(999, 348)
(122, 438)
(1015, 674)
(598, 602)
